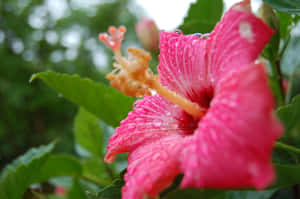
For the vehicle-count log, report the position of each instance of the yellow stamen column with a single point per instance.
(190, 107)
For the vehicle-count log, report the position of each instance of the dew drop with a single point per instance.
(157, 123)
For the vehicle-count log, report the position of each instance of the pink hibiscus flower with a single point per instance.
(218, 130)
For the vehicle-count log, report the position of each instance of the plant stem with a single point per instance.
(286, 147)
(280, 79)
(277, 80)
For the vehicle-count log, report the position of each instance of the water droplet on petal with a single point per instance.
(157, 123)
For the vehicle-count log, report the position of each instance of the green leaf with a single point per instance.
(105, 102)
(36, 195)
(195, 26)
(291, 59)
(96, 170)
(76, 191)
(59, 165)
(246, 195)
(284, 156)
(88, 132)
(286, 175)
(52, 196)
(294, 85)
(285, 24)
(290, 114)
(285, 193)
(193, 193)
(202, 16)
(289, 6)
(112, 191)
(23, 172)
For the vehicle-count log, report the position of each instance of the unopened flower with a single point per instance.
(268, 15)
(211, 118)
(285, 85)
(147, 33)
(60, 191)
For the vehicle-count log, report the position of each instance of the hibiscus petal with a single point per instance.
(153, 118)
(232, 146)
(182, 66)
(152, 168)
(236, 41)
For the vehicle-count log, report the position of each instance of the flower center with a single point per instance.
(188, 123)
(133, 77)
(202, 97)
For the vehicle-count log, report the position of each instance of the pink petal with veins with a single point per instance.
(152, 167)
(236, 41)
(233, 144)
(152, 118)
(182, 66)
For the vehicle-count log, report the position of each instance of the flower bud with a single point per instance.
(267, 14)
(148, 34)
(285, 85)
(60, 191)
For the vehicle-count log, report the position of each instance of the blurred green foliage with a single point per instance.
(40, 35)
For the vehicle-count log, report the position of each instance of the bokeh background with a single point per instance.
(58, 35)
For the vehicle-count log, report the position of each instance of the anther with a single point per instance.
(115, 38)
(103, 37)
(122, 29)
(112, 30)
